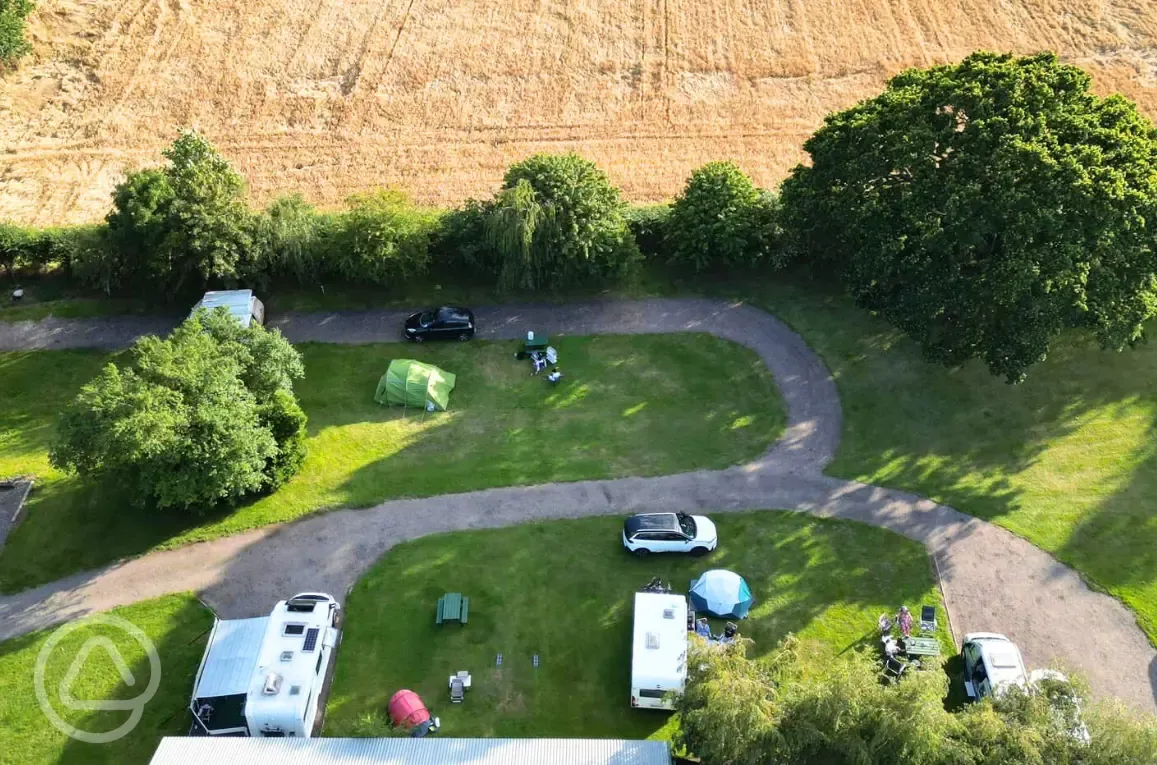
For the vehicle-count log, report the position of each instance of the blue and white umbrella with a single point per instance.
(721, 593)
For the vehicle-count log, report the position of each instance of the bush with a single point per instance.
(16, 248)
(720, 219)
(559, 222)
(204, 417)
(287, 242)
(185, 222)
(648, 226)
(460, 240)
(383, 238)
(13, 45)
(987, 207)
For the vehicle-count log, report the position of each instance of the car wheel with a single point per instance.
(463, 337)
(699, 552)
(641, 552)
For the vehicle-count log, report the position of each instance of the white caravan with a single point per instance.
(659, 657)
(265, 676)
(243, 305)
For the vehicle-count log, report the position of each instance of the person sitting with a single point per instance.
(554, 376)
(539, 362)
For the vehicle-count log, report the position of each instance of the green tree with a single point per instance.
(185, 221)
(287, 239)
(382, 238)
(559, 221)
(13, 44)
(720, 219)
(782, 711)
(203, 417)
(985, 207)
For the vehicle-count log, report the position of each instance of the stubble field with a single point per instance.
(438, 97)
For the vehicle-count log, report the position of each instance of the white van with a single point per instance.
(243, 305)
(659, 656)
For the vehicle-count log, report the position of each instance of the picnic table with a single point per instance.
(453, 607)
(922, 646)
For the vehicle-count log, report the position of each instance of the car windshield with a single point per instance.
(687, 523)
(426, 319)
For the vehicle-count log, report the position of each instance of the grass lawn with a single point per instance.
(643, 405)
(1068, 459)
(177, 625)
(565, 590)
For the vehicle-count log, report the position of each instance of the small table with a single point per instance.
(922, 646)
(453, 607)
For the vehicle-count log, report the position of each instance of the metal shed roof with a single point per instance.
(231, 657)
(411, 751)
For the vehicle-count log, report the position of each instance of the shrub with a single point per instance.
(206, 416)
(648, 226)
(287, 242)
(558, 222)
(16, 248)
(382, 238)
(987, 207)
(716, 220)
(460, 240)
(13, 44)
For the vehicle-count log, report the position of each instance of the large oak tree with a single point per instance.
(986, 207)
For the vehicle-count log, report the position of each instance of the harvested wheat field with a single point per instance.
(331, 97)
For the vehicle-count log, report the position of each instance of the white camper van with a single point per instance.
(659, 656)
(243, 305)
(264, 676)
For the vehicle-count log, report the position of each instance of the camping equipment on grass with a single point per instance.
(413, 383)
(459, 684)
(407, 710)
(721, 593)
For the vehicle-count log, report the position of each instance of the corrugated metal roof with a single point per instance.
(237, 301)
(231, 657)
(410, 751)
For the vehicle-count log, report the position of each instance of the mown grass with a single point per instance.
(565, 590)
(1068, 459)
(643, 405)
(177, 625)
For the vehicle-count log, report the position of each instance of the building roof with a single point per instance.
(659, 655)
(409, 751)
(231, 657)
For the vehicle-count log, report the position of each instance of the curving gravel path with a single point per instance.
(992, 580)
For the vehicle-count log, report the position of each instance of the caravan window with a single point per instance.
(646, 693)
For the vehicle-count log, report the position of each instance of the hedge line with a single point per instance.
(556, 222)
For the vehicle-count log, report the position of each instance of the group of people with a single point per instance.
(539, 361)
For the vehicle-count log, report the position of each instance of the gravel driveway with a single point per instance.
(992, 580)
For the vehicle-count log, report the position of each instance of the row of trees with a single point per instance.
(984, 208)
(780, 711)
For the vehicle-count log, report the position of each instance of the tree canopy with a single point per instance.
(985, 207)
(13, 44)
(779, 711)
(203, 417)
(558, 221)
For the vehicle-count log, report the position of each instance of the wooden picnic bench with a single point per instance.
(453, 607)
(922, 646)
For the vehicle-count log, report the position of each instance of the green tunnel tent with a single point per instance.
(412, 383)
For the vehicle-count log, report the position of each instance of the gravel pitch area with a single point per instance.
(992, 580)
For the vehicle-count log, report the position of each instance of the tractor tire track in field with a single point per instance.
(992, 580)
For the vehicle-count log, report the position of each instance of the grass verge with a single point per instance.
(629, 405)
(177, 625)
(565, 589)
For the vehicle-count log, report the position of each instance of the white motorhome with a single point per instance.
(659, 656)
(243, 305)
(265, 676)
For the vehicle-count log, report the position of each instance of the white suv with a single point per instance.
(647, 533)
(992, 663)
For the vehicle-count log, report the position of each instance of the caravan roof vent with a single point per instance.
(287, 655)
(668, 613)
(295, 690)
(652, 640)
(272, 684)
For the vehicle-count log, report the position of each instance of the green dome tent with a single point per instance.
(412, 383)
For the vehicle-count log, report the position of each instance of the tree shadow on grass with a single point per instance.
(565, 590)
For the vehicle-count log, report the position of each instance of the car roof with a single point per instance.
(1002, 662)
(652, 522)
(447, 312)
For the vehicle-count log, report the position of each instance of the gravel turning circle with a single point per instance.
(992, 580)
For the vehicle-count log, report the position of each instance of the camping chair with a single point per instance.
(927, 618)
(459, 684)
(539, 361)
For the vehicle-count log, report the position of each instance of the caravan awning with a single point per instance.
(231, 657)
